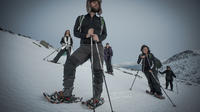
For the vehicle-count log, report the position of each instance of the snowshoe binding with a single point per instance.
(93, 103)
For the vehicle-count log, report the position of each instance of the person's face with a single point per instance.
(145, 50)
(107, 45)
(68, 32)
(168, 68)
(94, 6)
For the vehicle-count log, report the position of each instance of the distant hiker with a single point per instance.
(67, 44)
(169, 77)
(149, 69)
(108, 53)
(86, 27)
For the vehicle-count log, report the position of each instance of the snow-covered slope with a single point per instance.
(24, 76)
(186, 65)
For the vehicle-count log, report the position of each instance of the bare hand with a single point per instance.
(95, 37)
(142, 57)
(150, 71)
(90, 32)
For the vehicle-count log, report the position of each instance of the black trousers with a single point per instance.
(61, 52)
(80, 56)
(153, 84)
(169, 82)
(109, 64)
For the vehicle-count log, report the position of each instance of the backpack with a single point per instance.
(82, 17)
(158, 63)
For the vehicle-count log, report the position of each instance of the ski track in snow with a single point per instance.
(24, 76)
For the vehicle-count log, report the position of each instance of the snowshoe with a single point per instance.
(159, 96)
(111, 73)
(149, 92)
(57, 97)
(92, 104)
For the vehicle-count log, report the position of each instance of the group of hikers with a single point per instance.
(91, 29)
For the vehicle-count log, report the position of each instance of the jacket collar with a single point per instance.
(88, 15)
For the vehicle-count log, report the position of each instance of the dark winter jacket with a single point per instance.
(88, 23)
(169, 75)
(108, 53)
(148, 63)
(63, 41)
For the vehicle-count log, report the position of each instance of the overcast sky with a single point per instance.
(167, 26)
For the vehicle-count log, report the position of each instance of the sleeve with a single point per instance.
(103, 36)
(162, 72)
(111, 52)
(71, 41)
(77, 33)
(173, 74)
(61, 41)
(153, 62)
(139, 59)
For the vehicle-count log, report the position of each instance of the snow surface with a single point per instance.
(24, 76)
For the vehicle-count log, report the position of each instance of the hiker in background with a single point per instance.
(169, 77)
(108, 53)
(149, 69)
(67, 44)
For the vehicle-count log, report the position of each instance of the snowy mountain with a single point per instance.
(185, 65)
(24, 76)
(131, 66)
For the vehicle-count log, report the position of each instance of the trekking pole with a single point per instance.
(101, 65)
(51, 54)
(176, 85)
(134, 80)
(92, 60)
(173, 104)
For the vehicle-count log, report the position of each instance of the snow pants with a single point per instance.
(153, 84)
(62, 51)
(169, 82)
(109, 64)
(81, 55)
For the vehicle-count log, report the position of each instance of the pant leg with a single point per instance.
(81, 55)
(110, 65)
(68, 52)
(171, 84)
(98, 72)
(156, 83)
(149, 79)
(61, 52)
(107, 67)
(167, 84)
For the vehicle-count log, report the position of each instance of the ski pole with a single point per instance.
(92, 59)
(173, 104)
(51, 54)
(101, 65)
(176, 85)
(134, 80)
